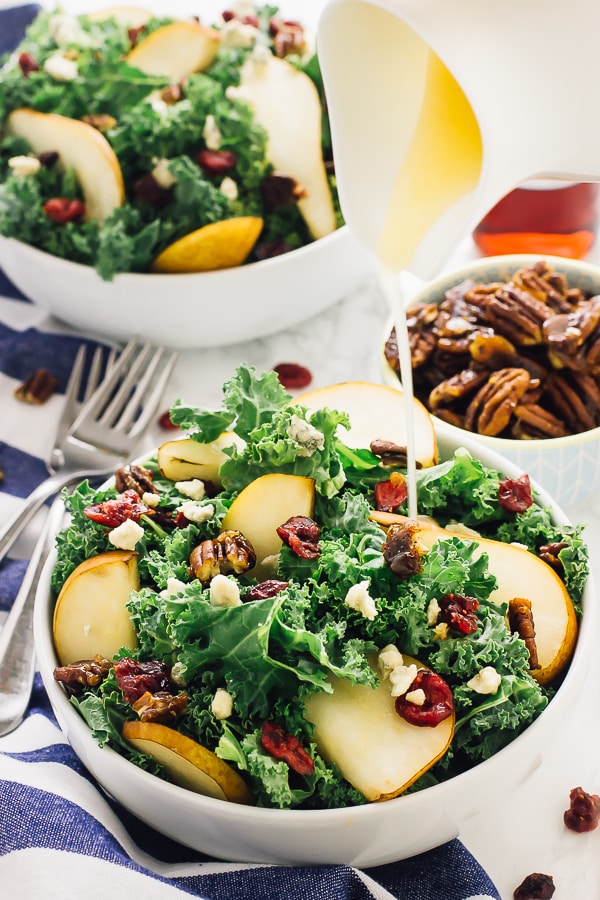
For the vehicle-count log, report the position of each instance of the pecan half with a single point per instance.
(134, 478)
(160, 707)
(37, 387)
(85, 673)
(490, 410)
(520, 617)
(402, 550)
(229, 552)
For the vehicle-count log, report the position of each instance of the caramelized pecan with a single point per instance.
(520, 618)
(85, 673)
(229, 552)
(160, 707)
(37, 387)
(492, 407)
(402, 550)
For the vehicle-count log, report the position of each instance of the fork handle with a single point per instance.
(36, 499)
(17, 656)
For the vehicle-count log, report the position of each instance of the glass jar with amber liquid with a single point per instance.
(542, 216)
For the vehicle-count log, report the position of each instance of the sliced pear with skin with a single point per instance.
(286, 103)
(131, 16)
(376, 411)
(176, 50)
(522, 574)
(219, 245)
(186, 458)
(265, 504)
(90, 616)
(376, 750)
(189, 764)
(80, 147)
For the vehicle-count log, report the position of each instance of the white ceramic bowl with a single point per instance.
(205, 309)
(566, 467)
(363, 836)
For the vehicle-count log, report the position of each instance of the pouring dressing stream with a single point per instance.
(438, 109)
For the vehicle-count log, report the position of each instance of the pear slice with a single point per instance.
(286, 103)
(176, 50)
(521, 574)
(219, 245)
(90, 616)
(376, 750)
(130, 16)
(80, 147)
(265, 504)
(189, 764)
(184, 459)
(376, 412)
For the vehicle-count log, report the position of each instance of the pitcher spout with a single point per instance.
(439, 108)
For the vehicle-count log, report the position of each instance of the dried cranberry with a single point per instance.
(584, 812)
(266, 589)
(278, 191)
(514, 494)
(62, 209)
(301, 534)
(535, 887)
(137, 678)
(217, 162)
(134, 34)
(28, 64)
(48, 159)
(147, 190)
(459, 612)
(389, 496)
(438, 705)
(165, 422)
(293, 375)
(114, 512)
(286, 747)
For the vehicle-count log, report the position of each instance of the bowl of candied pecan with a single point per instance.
(507, 348)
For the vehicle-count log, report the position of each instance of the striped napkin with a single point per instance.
(60, 836)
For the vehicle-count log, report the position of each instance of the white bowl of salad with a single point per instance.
(258, 647)
(171, 177)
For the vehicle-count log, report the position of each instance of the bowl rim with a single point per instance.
(75, 269)
(446, 280)
(69, 719)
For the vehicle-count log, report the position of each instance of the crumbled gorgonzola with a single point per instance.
(305, 435)
(487, 681)
(222, 704)
(417, 697)
(24, 166)
(195, 512)
(211, 133)
(194, 488)
(224, 591)
(229, 188)
(389, 657)
(238, 34)
(150, 499)
(401, 678)
(358, 598)
(126, 535)
(60, 68)
(161, 173)
(433, 611)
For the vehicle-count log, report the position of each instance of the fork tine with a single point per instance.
(152, 401)
(140, 369)
(94, 373)
(71, 395)
(100, 396)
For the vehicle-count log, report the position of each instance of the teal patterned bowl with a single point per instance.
(567, 467)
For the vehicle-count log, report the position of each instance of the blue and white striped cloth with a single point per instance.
(59, 834)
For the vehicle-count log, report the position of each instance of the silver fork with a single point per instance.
(106, 430)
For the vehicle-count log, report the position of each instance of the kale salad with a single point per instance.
(190, 153)
(323, 607)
